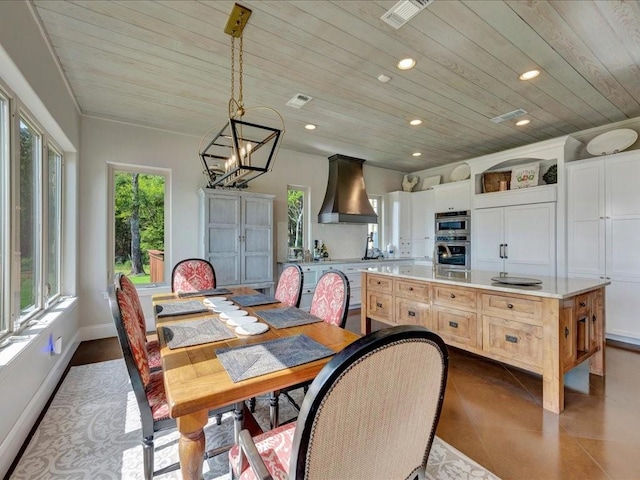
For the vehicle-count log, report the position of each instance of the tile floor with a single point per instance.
(493, 414)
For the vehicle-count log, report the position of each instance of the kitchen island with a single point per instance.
(547, 328)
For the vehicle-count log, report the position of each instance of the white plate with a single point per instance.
(241, 321)
(214, 301)
(252, 329)
(461, 172)
(224, 308)
(233, 314)
(431, 181)
(612, 142)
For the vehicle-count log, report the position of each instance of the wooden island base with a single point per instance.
(547, 331)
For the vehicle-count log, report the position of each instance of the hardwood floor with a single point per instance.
(493, 414)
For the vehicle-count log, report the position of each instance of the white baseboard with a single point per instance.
(11, 445)
(94, 332)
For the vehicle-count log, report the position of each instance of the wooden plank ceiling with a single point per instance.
(167, 64)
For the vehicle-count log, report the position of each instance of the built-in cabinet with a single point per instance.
(400, 222)
(423, 210)
(603, 233)
(518, 239)
(452, 196)
(237, 236)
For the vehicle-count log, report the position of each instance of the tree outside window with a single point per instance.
(297, 218)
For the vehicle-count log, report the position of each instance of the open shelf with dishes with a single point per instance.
(516, 174)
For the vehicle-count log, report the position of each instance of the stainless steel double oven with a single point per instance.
(453, 240)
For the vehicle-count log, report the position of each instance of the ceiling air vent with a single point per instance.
(508, 116)
(403, 11)
(299, 100)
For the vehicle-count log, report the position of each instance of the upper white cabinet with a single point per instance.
(237, 236)
(400, 216)
(518, 239)
(452, 197)
(423, 208)
(603, 212)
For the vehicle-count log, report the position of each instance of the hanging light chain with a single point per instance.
(240, 63)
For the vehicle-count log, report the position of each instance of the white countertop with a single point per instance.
(348, 260)
(551, 287)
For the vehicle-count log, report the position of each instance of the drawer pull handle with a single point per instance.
(378, 282)
(378, 304)
(411, 289)
(412, 314)
(453, 324)
(566, 332)
(453, 295)
(509, 305)
(583, 304)
(593, 319)
(511, 339)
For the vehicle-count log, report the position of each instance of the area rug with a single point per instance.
(92, 431)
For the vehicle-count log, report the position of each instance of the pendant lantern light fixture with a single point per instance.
(241, 150)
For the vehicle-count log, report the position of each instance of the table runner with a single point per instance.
(196, 332)
(253, 300)
(248, 361)
(287, 317)
(205, 293)
(180, 308)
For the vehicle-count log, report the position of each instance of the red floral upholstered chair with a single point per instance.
(148, 386)
(191, 275)
(330, 300)
(404, 366)
(289, 289)
(152, 346)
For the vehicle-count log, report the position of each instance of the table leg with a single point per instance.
(238, 414)
(192, 444)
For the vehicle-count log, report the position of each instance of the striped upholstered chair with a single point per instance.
(289, 289)
(152, 346)
(192, 274)
(346, 427)
(148, 386)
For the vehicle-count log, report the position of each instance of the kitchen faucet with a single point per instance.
(434, 262)
(366, 247)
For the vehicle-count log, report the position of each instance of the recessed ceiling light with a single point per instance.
(522, 122)
(406, 63)
(529, 75)
(384, 78)
(416, 154)
(416, 121)
(310, 126)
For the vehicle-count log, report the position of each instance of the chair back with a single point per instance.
(384, 395)
(289, 289)
(127, 286)
(330, 300)
(192, 274)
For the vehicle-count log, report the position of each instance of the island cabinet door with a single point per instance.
(567, 335)
(380, 306)
(513, 342)
(456, 327)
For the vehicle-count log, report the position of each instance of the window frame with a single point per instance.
(5, 212)
(306, 215)
(112, 168)
(52, 148)
(379, 241)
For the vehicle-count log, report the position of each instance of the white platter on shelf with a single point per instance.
(429, 182)
(461, 172)
(612, 142)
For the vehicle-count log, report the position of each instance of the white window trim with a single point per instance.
(306, 224)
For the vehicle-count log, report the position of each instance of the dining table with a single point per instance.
(196, 380)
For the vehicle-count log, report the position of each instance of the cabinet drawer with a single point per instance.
(512, 340)
(583, 305)
(455, 326)
(410, 312)
(305, 299)
(379, 283)
(355, 298)
(309, 276)
(513, 307)
(455, 297)
(380, 306)
(412, 290)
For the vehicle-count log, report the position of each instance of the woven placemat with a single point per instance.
(287, 317)
(248, 361)
(205, 293)
(253, 300)
(180, 308)
(196, 332)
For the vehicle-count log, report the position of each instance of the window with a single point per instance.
(4, 213)
(297, 231)
(373, 229)
(139, 224)
(54, 222)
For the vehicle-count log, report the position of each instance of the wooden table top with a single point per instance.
(195, 379)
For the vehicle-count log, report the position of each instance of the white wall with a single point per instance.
(28, 371)
(106, 141)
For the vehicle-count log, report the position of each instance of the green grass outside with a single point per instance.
(137, 279)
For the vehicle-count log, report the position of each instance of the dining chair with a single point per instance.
(289, 288)
(330, 302)
(371, 412)
(147, 385)
(152, 346)
(192, 275)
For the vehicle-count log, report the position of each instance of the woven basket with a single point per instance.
(491, 181)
